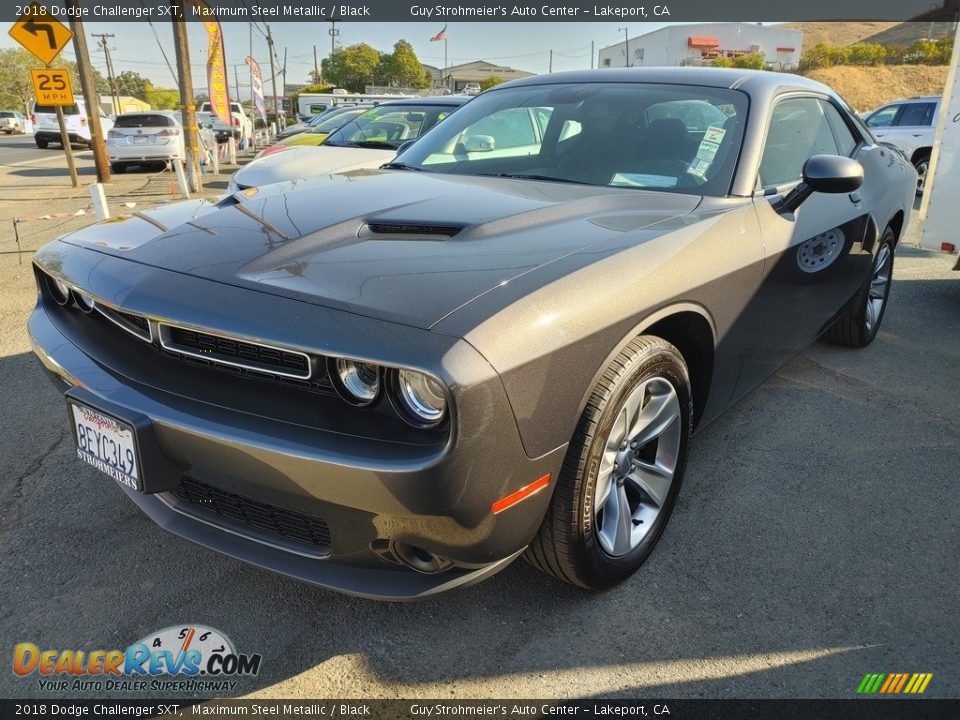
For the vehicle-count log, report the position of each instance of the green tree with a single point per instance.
(402, 68)
(162, 98)
(352, 68)
(723, 62)
(132, 84)
(750, 61)
(16, 87)
(490, 82)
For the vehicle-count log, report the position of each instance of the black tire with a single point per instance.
(851, 329)
(118, 168)
(566, 545)
(42, 143)
(921, 164)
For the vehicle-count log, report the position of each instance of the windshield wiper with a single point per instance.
(401, 166)
(373, 144)
(522, 176)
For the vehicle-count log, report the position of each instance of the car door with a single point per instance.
(913, 127)
(815, 257)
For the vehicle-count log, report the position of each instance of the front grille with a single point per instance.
(238, 353)
(292, 526)
(135, 324)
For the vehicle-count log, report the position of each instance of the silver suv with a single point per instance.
(908, 124)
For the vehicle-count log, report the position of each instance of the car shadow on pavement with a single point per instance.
(814, 541)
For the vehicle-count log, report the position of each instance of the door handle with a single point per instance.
(917, 134)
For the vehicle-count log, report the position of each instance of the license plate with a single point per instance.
(107, 444)
(141, 139)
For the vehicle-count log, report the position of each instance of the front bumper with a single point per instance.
(371, 491)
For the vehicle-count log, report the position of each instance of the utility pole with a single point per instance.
(90, 95)
(334, 33)
(550, 67)
(189, 110)
(591, 54)
(626, 46)
(114, 101)
(316, 67)
(273, 79)
(236, 82)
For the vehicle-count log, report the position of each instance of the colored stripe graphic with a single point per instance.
(894, 683)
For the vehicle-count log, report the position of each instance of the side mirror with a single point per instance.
(479, 143)
(825, 174)
(404, 145)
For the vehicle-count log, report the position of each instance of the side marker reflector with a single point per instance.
(522, 494)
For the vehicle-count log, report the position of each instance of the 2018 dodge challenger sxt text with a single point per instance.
(499, 344)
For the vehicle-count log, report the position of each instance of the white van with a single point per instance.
(46, 129)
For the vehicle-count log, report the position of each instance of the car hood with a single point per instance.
(402, 246)
(307, 162)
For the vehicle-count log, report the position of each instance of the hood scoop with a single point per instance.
(422, 230)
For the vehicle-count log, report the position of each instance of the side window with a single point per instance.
(798, 130)
(508, 128)
(883, 117)
(916, 115)
(847, 141)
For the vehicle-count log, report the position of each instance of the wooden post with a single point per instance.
(65, 139)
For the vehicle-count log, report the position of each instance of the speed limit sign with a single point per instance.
(51, 86)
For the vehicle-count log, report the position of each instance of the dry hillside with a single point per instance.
(837, 33)
(866, 88)
(884, 33)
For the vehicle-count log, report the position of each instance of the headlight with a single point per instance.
(419, 398)
(59, 290)
(356, 382)
(84, 301)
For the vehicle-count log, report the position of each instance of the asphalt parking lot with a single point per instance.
(816, 540)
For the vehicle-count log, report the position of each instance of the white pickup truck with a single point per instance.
(908, 124)
(241, 129)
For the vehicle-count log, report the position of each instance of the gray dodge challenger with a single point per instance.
(394, 383)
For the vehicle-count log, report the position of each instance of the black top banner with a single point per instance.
(278, 11)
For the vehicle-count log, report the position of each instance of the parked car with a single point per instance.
(46, 128)
(362, 143)
(394, 384)
(471, 89)
(910, 125)
(314, 120)
(317, 134)
(142, 138)
(12, 121)
(241, 128)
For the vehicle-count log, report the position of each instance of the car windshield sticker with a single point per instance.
(714, 135)
(643, 180)
(707, 151)
(698, 168)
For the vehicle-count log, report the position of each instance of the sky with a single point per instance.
(524, 46)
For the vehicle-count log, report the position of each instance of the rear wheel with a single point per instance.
(622, 472)
(42, 143)
(922, 165)
(860, 321)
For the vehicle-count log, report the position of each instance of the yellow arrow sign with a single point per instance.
(41, 33)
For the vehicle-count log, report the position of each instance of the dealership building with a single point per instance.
(701, 43)
(457, 76)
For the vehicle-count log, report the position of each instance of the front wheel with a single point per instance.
(42, 143)
(622, 471)
(860, 320)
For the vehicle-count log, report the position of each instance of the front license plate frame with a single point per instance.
(112, 437)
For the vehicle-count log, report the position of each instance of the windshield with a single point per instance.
(142, 121)
(665, 137)
(331, 123)
(389, 126)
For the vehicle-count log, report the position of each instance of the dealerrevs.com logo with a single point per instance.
(189, 658)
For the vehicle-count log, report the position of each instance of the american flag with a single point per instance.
(442, 35)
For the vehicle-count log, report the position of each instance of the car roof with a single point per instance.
(734, 78)
(137, 113)
(431, 100)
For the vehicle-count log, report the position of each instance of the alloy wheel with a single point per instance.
(879, 286)
(637, 466)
